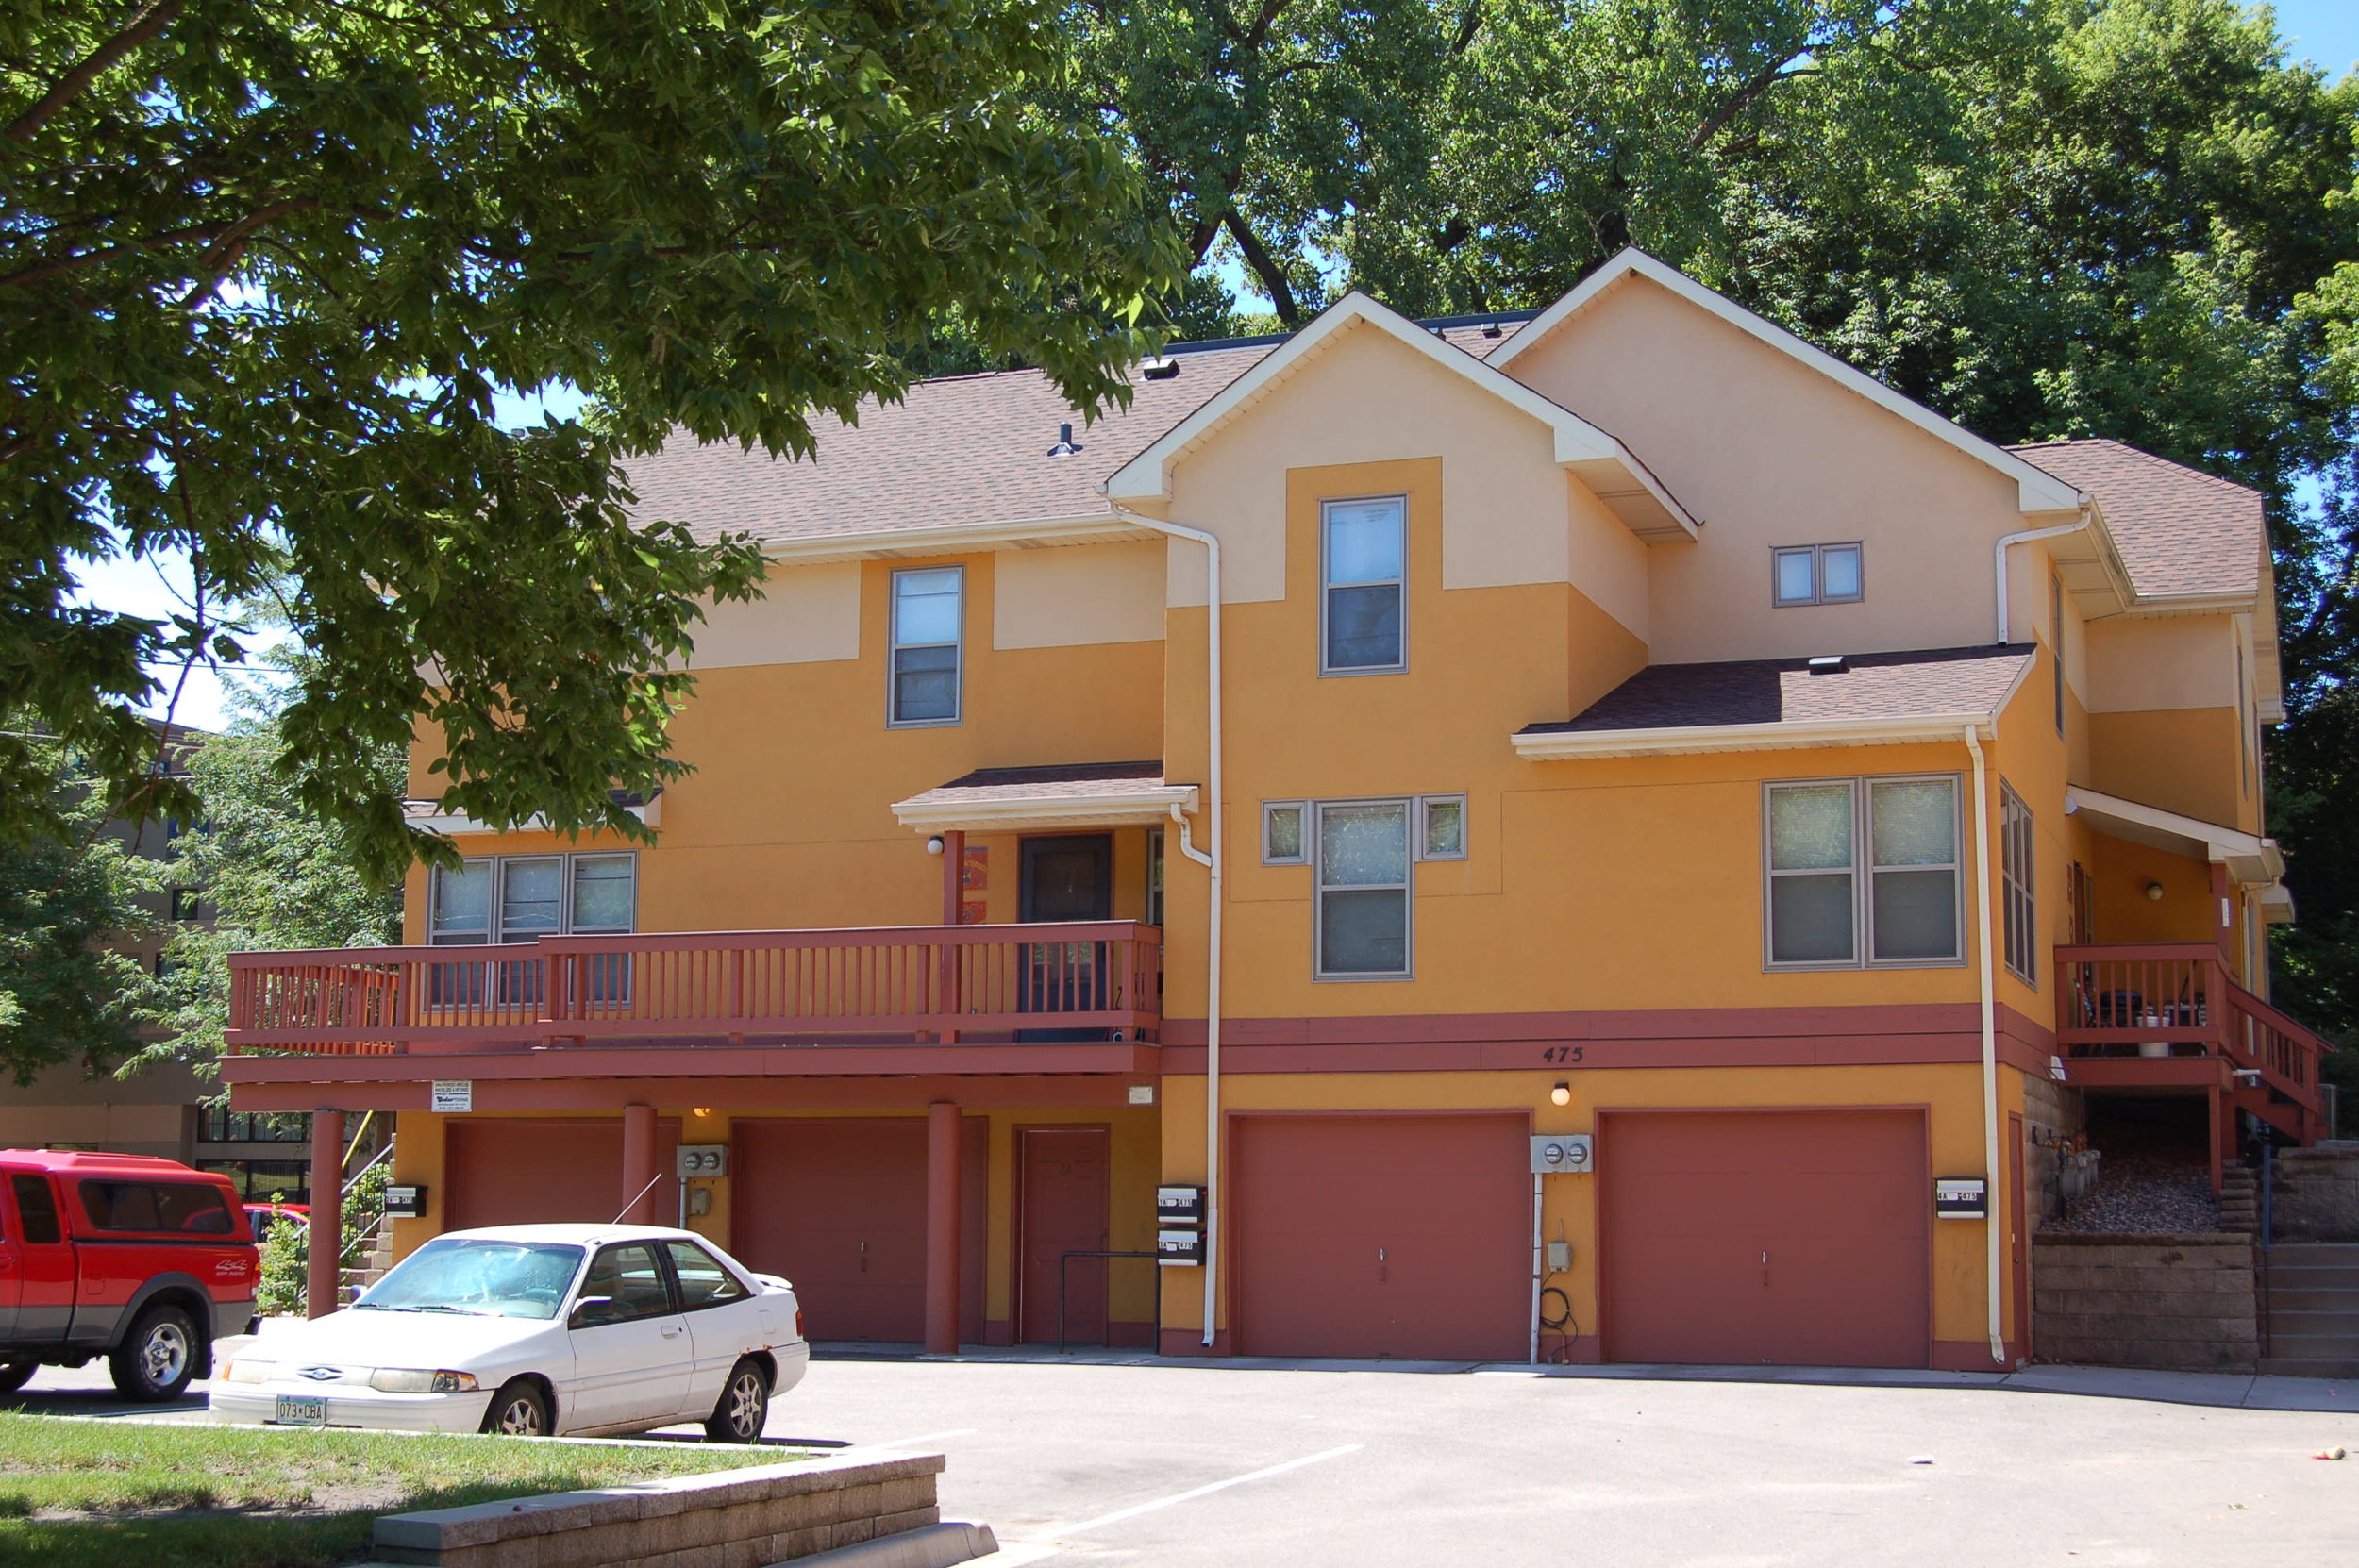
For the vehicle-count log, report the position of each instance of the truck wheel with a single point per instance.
(745, 1406)
(15, 1375)
(519, 1410)
(158, 1357)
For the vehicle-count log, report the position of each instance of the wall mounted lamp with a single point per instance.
(1561, 1095)
(933, 845)
(2155, 890)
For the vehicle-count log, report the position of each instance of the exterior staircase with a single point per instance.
(2313, 1304)
(2240, 1201)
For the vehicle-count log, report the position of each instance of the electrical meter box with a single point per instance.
(1178, 1248)
(703, 1159)
(1554, 1154)
(1960, 1198)
(1179, 1205)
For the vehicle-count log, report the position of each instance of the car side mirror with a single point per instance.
(589, 1311)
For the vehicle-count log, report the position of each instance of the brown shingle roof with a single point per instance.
(1072, 781)
(1783, 690)
(965, 449)
(2180, 531)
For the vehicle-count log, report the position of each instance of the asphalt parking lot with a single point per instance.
(1108, 1458)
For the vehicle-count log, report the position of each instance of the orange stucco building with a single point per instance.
(1374, 756)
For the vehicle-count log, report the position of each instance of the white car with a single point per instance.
(535, 1330)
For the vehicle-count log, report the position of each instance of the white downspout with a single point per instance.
(2025, 538)
(1992, 1187)
(1212, 862)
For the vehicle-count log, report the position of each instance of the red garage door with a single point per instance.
(1789, 1238)
(1405, 1236)
(837, 1205)
(546, 1171)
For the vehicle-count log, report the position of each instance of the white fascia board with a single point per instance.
(1131, 809)
(1024, 534)
(1690, 739)
(1576, 442)
(2037, 491)
(459, 824)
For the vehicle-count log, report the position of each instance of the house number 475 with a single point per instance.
(1563, 1055)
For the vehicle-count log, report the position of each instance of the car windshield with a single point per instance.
(479, 1277)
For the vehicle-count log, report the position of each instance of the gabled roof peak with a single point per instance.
(2037, 491)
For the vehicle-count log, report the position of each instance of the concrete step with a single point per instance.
(2316, 1255)
(2301, 1299)
(2295, 1366)
(2283, 1278)
(2340, 1319)
(2314, 1348)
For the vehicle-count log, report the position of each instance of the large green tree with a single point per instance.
(265, 263)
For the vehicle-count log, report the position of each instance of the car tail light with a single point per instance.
(799, 1323)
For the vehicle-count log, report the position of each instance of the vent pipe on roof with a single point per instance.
(1065, 445)
(1160, 369)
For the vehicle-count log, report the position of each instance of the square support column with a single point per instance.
(326, 1227)
(941, 1228)
(639, 1172)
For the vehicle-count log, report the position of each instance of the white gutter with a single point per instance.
(2025, 538)
(1687, 740)
(1211, 861)
(1992, 1189)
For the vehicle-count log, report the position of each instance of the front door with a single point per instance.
(1063, 879)
(1063, 1196)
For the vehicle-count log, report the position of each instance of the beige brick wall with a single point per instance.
(2184, 1306)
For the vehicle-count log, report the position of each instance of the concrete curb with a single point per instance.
(941, 1545)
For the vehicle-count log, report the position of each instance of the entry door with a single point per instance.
(1063, 1175)
(1065, 878)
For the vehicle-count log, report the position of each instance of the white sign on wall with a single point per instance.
(453, 1096)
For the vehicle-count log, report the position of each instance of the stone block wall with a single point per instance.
(2316, 1197)
(2177, 1302)
(2052, 1112)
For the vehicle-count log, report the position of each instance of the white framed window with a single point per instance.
(2014, 872)
(1361, 919)
(1861, 871)
(1816, 574)
(1363, 585)
(927, 657)
(1154, 876)
(1284, 843)
(534, 896)
(1441, 828)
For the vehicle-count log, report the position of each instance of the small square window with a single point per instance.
(1282, 833)
(1816, 575)
(1443, 834)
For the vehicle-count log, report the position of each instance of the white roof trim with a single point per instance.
(1126, 808)
(2037, 490)
(1687, 740)
(1031, 533)
(1629, 490)
(458, 824)
(2248, 857)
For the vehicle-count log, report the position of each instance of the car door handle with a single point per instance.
(674, 1330)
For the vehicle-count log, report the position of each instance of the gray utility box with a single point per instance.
(1563, 1154)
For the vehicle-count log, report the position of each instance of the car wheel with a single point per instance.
(519, 1410)
(158, 1357)
(745, 1407)
(15, 1375)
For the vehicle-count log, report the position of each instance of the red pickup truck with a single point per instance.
(141, 1260)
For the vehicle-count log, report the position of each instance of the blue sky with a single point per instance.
(2324, 32)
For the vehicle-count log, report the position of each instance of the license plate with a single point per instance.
(296, 1410)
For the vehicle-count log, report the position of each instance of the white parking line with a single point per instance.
(1060, 1531)
(922, 1437)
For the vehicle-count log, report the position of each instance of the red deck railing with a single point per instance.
(2178, 1000)
(929, 982)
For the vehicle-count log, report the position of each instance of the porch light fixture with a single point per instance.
(1562, 1094)
(2155, 890)
(934, 844)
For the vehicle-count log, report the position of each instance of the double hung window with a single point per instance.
(1815, 574)
(929, 619)
(521, 898)
(1364, 584)
(1363, 889)
(2014, 861)
(1863, 871)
